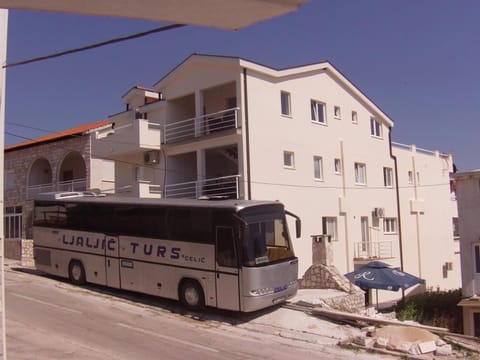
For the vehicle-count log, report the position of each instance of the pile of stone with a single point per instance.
(404, 339)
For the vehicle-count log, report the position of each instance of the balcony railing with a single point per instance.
(33, 190)
(226, 186)
(373, 250)
(71, 185)
(201, 126)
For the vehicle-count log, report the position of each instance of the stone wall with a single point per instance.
(324, 275)
(18, 166)
(21, 250)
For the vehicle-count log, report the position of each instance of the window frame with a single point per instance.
(376, 128)
(337, 112)
(354, 117)
(314, 114)
(285, 103)
(357, 166)
(337, 169)
(390, 226)
(318, 160)
(291, 155)
(388, 177)
(332, 220)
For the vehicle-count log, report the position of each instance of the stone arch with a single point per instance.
(40, 173)
(72, 173)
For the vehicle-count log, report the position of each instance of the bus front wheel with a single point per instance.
(76, 272)
(191, 295)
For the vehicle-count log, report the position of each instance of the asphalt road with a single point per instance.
(48, 318)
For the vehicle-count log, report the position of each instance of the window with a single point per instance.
(289, 159)
(476, 251)
(318, 111)
(13, 222)
(456, 231)
(387, 177)
(337, 163)
(360, 173)
(354, 117)
(389, 225)
(329, 227)
(336, 112)
(318, 167)
(226, 254)
(375, 128)
(418, 178)
(9, 180)
(410, 177)
(285, 101)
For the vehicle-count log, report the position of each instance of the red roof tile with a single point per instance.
(79, 130)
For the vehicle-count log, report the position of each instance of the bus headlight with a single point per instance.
(261, 292)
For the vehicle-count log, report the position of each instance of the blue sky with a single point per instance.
(418, 60)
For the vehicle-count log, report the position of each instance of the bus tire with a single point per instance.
(191, 295)
(76, 272)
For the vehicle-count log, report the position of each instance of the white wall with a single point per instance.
(427, 235)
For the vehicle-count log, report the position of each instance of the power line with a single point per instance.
(297, 186)
(96, 45)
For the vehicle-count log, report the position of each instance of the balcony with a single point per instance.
(373, 250)
(226, 186)
(127, 137)
(70, 185)
(193, 128)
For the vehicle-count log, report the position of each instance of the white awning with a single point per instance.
(224, 14)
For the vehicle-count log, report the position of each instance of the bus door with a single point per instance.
(112, 262)
(226, 269)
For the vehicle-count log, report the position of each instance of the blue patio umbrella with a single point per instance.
(379, 275)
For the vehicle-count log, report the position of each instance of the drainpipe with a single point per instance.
(399, 217)
(417, 213)
(247, 135)
(344, 214)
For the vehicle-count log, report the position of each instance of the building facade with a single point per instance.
(58, 162)
(306, 136)
(468, 195)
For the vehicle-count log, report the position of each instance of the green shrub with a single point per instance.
(438, 308)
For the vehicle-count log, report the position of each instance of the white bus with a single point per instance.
(230, 254)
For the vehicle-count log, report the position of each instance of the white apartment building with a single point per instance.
(468, 194)
(305, 136)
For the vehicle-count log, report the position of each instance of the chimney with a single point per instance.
(322, 253)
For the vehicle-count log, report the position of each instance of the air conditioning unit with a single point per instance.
(379, 212)
(151, 157)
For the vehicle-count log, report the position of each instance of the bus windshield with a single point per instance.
(266, 240)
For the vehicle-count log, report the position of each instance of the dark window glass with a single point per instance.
(226, 253)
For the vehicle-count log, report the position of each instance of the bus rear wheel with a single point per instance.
(191, 295)
(76, 272)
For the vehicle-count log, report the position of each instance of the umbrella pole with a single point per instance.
(376, 295)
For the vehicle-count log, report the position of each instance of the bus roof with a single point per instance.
(91, 197)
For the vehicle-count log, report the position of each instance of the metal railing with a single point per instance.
(226, 186)
(71, 185)
(373, 250)
(33, 190)
(201, 126)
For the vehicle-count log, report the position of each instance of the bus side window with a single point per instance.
(226, 253)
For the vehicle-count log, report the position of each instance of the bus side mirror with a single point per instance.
(298, 223)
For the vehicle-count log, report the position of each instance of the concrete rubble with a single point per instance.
(390, 336)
